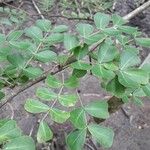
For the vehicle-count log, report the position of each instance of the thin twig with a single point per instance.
(137, 11)
(37, 9)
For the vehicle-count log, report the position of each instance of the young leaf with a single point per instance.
(44, 133)
(143, 41)
(102, 134)
(35, 106)
(98, 109)
(34, 32)
(52, 82)
(71, 82)
(60, 29)
(76, 139)
(128, 59)
(59, 116)
(20, 143)
(32, 72)
(84, 29)
(46, 56)
(70, 41)
(133, 77)
(99, 71)
(68, 100)
(14, 35)
(45, 94)
(78, 118)
(115, 87)
(101, 20)
(16, 59)
(107, 53)
(43, 24)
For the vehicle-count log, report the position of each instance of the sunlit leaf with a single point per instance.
(78, 118)
(35, 106)
(76, 139)
(102, 134)
(44, 133)
(98, 109)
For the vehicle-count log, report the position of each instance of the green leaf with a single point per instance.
(78, 118)
(143, 41)
(128, 29)
(128, 59)
(44, 133)
(79, 73)
(115, 87)
(102, 134)
(84, 29)
(52, 82)
(146, 89)
(93, 38)
(70, 41)
(9, 130)
(2, 95)
(20, 45)
(16, 59)
(76, 139)
(68, 100)
(98, 109)
(81, 65)
(107, 53)
(117, 20)
(71, 82)
(46, 56)
(20, 143)
(110, 66)
(34, 32)
(101, 20)
(99, 71)
(45, 94)
(112, 31)
(133, 77)
(59, 116)
(35, 106)
(54, 38)
(60, 29)
(44, 24)
(32, 72)
(14, 35)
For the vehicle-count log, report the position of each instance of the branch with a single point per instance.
(37, 9)
(137, 11)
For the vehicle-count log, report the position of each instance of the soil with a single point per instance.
(131, 126)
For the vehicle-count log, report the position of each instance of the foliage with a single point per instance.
(115, 60)
(10, 17)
